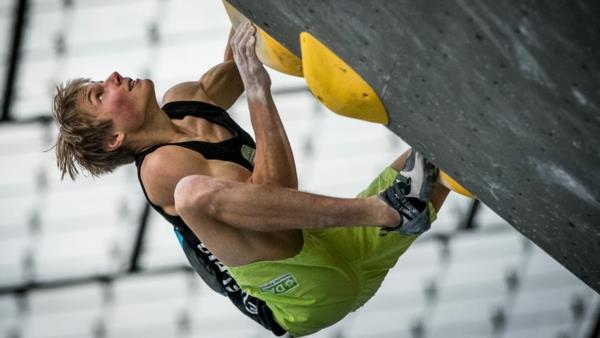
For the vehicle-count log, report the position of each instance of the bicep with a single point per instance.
(221, 86)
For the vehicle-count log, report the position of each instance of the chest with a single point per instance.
(225, 153)
(205, 130)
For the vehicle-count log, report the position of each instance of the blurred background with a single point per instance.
(89, 259)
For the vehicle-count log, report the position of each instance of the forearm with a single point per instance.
(274, 161)
(271, 208)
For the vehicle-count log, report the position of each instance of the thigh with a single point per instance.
(235, 247)
(230, 245)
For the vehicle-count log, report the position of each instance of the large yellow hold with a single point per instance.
(337, 85)
(331, 80)
(269, 51)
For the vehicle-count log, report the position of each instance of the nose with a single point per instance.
(114, 78)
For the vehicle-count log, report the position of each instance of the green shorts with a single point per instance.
(336, 272)
(372, 253)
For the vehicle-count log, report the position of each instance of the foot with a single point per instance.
(410, 194)
(418, 176)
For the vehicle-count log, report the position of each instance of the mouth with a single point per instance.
(132, 84)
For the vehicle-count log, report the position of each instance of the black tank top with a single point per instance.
(237, 149)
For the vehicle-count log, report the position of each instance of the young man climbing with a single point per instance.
(291, 260)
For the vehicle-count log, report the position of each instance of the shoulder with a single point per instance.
(186, 91)
(162, 169)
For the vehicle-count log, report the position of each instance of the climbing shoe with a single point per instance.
(410, 193)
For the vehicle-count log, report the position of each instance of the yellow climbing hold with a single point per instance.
(269, 51)
(337, 85)
(451, 184)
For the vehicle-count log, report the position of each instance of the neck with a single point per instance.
(157, 129)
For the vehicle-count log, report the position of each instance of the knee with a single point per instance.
(195, 193)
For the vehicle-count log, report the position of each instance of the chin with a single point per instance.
(148, 82)
(147, 87)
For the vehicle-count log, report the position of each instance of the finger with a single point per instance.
(247, 33)
(234, 42)
(243, 44)
(244, 27)
(250, 45)
(240, 30)
(241, 25)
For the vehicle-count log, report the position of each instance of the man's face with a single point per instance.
(122, 100)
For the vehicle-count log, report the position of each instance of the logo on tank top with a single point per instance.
(280, 284)
(248, 153)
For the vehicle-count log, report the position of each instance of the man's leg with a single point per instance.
(242, 222)
(377, 254)
(225, 213)
(268, 208)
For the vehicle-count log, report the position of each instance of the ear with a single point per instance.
(115, 141)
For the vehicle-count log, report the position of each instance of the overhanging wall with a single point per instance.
(502, 95)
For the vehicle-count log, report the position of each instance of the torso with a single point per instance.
(236, 246)
(207, 131)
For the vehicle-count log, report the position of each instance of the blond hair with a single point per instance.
(82, 138)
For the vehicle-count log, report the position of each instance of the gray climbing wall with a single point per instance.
(503, 95)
